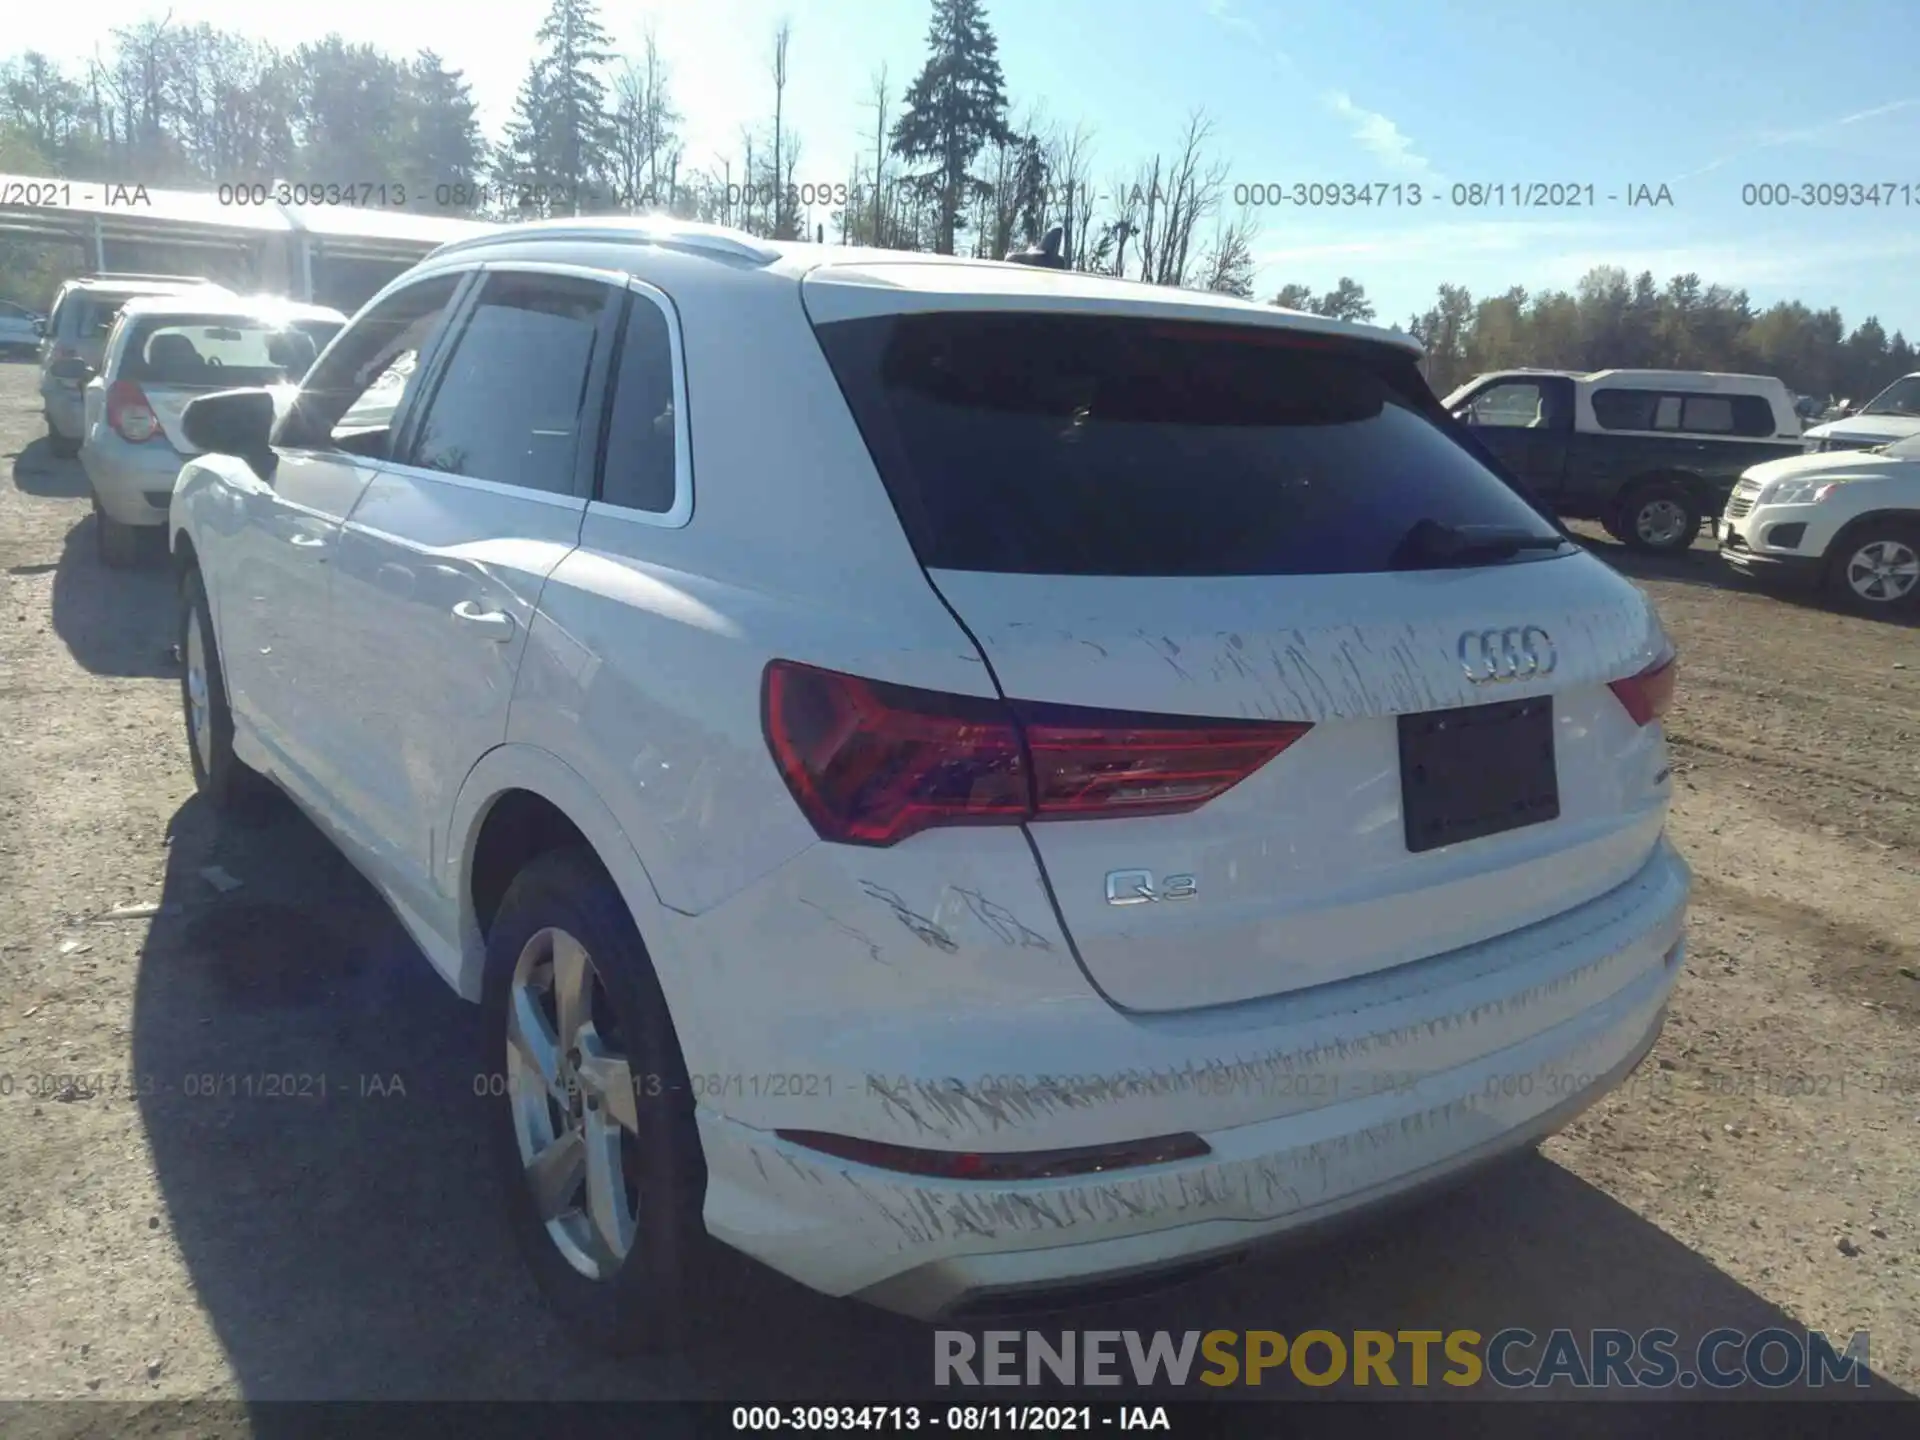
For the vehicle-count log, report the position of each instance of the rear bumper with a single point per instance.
(1419, 1076)
(134, 483)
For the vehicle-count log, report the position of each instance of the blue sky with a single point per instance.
(1704, 96)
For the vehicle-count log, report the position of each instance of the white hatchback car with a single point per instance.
(950, 778)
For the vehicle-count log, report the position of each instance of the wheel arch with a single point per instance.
(519, 801)
(1907, 518)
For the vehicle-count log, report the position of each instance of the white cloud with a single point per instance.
(1375, 132)
(1805, 135)
(1224, 12)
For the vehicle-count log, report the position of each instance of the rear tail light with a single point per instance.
(128, 413)
(1648, 694)
(871, 763)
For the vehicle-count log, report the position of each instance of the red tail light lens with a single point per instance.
(1118, 766)
(129, 414)
(1648, 695)
(872, 763)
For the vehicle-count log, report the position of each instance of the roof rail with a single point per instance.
(144, 275)
(665, 231)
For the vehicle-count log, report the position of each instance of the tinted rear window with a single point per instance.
(1748, 415)
(1090, 445)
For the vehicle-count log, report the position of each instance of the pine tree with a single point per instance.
(444, 135)
(955, 107)
(561, 135)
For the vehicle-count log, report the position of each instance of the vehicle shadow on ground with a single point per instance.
(38, 471)
(115, 622)
(308, 1095)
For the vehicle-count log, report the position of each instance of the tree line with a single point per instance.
(949, 164)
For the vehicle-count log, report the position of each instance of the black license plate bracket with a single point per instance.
(1476, 771)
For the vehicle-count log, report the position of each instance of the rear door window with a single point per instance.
(1097, 445)
(638, 470)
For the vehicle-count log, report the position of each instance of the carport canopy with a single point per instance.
(278, 247)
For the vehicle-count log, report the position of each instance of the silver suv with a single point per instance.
(76, 329)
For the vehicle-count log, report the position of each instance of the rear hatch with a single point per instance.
(171, 360)
(1411, 716)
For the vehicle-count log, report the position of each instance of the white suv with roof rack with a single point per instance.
(926, 782)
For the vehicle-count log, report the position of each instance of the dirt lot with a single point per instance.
(163, 1242)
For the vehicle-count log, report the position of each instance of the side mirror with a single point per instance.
(39, 327)
(73, 370)
(233, 422)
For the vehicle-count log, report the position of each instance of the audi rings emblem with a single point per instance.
(1492, 657)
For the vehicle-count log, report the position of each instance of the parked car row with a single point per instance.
(1651, 453)
(947, 800)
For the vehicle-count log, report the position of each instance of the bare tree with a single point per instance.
(782, 219)
(1069, 194)
(629, 159)
(1227, 266)
(880, 100)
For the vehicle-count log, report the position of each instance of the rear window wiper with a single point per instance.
(1431, 543)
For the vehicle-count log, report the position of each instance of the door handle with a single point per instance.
(497, 623)
(308, 542)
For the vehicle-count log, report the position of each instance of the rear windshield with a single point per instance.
(216, 352)
(1092, 445)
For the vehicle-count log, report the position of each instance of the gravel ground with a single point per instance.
(162, 1241)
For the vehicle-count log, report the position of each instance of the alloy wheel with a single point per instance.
(571, 1090)
(1883, 571)
(199, 701)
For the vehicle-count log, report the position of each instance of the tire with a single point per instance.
(60, 445)
(1875, 569)
(227, 782)
(1660, 518)
(646, 1299)
(118, 545)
